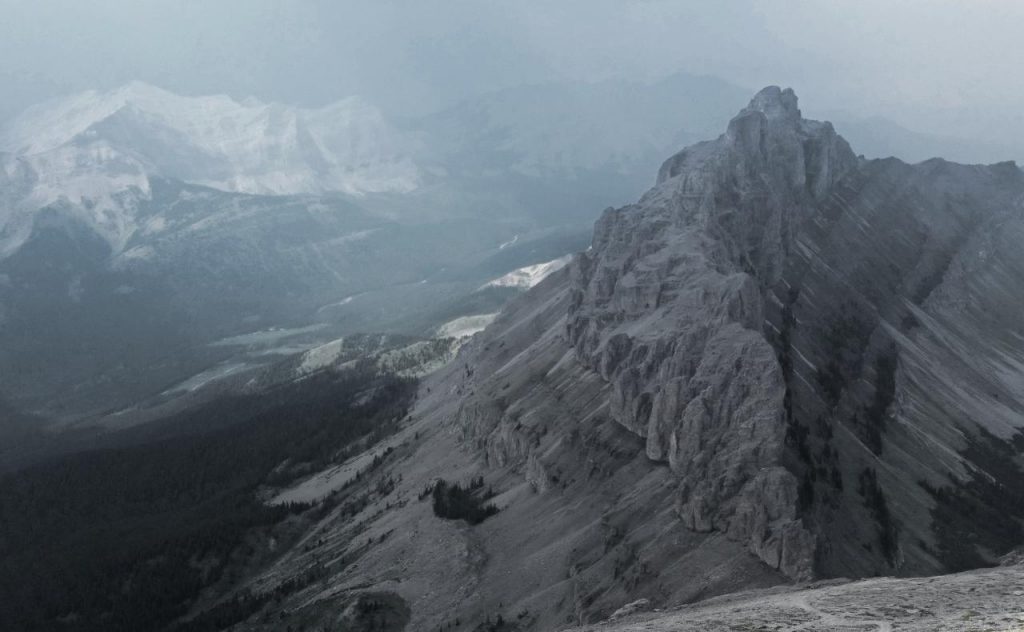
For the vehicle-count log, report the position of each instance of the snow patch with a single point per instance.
(322, 356)
(529, 276)
(265, 148)
(465, 326)
(266, 337)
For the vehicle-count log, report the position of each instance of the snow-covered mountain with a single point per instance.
(247, 146)
(92, 149)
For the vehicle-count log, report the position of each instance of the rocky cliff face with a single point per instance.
(818, 346)
(668, 308)
(783, 362)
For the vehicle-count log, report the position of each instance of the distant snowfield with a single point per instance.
(95, 152)
(529, 276)
(465, 326)
(322, 356)
(247, 146)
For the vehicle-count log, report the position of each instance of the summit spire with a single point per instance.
(775, 102)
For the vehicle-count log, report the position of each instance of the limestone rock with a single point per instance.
(668, 307)
(752, 318)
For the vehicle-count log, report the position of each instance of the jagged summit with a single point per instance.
(668, 308)
(775, 102)
(247, 146)
(767, 139)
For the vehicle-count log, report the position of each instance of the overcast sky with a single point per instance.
(925, 63)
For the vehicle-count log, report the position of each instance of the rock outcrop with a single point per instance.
(769, 317)
(668, 308)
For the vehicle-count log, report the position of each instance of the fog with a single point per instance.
(942, 67)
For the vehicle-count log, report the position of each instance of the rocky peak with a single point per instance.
(715, 311)
(767, 139)
(776, 103)
(756, 296)
(668, 308)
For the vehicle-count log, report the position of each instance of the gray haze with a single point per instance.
(944, 67)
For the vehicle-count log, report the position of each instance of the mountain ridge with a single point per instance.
(742, 383)
(246, 147)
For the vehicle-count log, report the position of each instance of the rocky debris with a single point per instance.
(1013, 558)
(979, 600)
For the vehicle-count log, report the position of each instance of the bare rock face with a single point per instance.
(789, 329)
(668, 308)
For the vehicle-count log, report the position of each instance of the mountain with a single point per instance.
(783, 363)
(247, 147)
(97, 151)
(770, 319)
(139, 229)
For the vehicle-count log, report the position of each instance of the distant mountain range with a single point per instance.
(136, 218)
(247, 147)
(98, 150)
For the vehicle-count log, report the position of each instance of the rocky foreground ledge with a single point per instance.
(984, 600)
